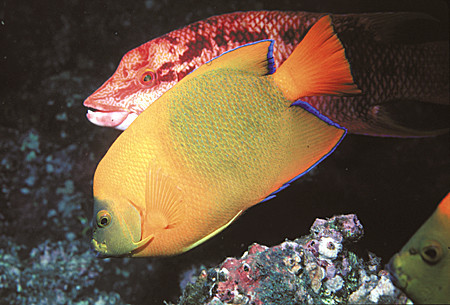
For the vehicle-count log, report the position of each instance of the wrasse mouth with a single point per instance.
(117, 119)
(92, 109)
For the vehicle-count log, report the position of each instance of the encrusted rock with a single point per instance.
(313, 269)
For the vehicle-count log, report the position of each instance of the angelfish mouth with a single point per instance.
(100, 249)
(393, 273)
(117, 119)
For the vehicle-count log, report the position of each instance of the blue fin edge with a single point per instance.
(315, 112)
(271, 61)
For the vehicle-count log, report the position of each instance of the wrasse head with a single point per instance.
(142, 76)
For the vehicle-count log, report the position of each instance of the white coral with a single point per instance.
(329, 248)
(383, 288)
(334, 284)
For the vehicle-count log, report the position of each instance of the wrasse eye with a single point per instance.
(431, 253)
(148, 78)
(103, 219)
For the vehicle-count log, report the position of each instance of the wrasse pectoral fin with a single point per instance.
(317, 66)
(408, 118)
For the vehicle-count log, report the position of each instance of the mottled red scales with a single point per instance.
(402, 83)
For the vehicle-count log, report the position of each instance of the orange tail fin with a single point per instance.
(317, 66)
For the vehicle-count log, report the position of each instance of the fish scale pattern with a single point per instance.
(227, 146)
(241, 133)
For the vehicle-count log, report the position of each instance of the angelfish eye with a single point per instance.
(103, 218)
(431, 253)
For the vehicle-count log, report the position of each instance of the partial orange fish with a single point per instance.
(226, 137)
(422, 267)
(403, 76)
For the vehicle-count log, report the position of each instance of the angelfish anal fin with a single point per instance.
(212, 234)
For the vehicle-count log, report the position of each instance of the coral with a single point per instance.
(54, 273)
(313, 269)
(37, 178)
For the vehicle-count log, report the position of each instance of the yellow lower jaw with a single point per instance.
(99, 247)
(103, 248)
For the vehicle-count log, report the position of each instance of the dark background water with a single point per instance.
(55, 53)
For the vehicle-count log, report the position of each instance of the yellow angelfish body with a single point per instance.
(422, 267)
(223, 139)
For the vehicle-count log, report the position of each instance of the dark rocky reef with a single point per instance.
(314, 269)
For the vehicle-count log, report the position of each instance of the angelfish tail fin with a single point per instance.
(317, 66)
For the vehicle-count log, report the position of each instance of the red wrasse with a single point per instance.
(403, 76)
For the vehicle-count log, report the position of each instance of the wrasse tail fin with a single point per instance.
(317, 66)
(164, 202)
(404, 27)
(408, 118)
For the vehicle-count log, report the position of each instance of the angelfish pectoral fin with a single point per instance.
(165, 207)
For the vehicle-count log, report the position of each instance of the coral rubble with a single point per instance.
(313, 269)
(54, 273)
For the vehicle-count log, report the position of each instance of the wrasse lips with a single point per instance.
(118, 119)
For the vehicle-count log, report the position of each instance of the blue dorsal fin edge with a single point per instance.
(315, 112)
(270, 60)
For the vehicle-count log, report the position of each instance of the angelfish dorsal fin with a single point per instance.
(164, 202)
(254, 57)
